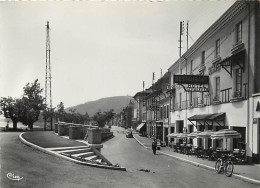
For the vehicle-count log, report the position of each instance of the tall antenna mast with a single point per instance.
(48, 97)
(180, 41)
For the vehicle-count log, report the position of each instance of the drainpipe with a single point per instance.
(248, 78)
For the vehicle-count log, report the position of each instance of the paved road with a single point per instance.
(45, 171)
(164, 171)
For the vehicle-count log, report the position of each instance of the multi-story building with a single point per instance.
(163, 103)
(155, 107)
(126, 115)
(139, 114)
(227, 54)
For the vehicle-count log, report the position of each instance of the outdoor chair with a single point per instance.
(239, 155)
(175, 148)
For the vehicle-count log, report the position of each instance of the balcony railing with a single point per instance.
(195, 102)
(177, 107)
(225, 95)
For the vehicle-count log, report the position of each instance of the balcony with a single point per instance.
(177, 107)
(190, 106)
(202, 67)
(201, 104)
(237, 96)
(237, 47)
(216, 100)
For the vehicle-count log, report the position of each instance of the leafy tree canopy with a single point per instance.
(103, 118)
(32, 103)
(10, 109)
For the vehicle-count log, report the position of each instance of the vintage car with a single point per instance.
(129, 134)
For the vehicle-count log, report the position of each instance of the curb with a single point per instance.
(67, 158)
(237, 176)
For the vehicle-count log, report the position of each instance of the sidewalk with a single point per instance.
(249, 173)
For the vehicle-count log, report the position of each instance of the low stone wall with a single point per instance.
(105, 130)
(63, 129)
(75, 132)
(56, 127)
(93, 134)
(106, 135)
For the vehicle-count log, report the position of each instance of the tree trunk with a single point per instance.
(30, 126)
(14, 124)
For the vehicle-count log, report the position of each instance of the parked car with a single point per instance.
(129, 134)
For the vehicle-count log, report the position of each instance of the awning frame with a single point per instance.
(206, 121)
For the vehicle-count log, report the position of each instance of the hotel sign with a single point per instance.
(193, 83)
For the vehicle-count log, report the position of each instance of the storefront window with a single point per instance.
(239, 143)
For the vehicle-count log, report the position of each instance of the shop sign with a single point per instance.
(193, 83)
(196, 88)
(191, 79)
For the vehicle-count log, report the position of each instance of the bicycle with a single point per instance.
(225, 165)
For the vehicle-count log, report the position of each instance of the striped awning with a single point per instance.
(206, 134)
(208, 117)
(140, 126)
(226, 133)
(194, 134)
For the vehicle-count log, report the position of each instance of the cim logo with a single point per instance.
(11, 176)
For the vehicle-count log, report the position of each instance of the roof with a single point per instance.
(140, 93)
(214, 28)
(154, 94)
(208, 117)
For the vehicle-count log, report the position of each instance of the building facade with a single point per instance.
(214, 85)
(226, 53)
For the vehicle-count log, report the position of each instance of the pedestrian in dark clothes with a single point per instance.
(154, 147)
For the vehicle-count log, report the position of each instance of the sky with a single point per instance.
(98, 48)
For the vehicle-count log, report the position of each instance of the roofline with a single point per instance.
(213, 29)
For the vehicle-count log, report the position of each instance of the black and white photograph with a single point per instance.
(129, 93)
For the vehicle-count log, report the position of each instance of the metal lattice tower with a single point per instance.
(48, 97)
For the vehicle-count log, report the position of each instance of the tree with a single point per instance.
(11, 109)
(86, 117)
(32, 104)
(102, 118)
(60, 112)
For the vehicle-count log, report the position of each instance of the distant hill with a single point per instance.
(117, 103)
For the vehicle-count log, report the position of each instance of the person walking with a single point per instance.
(154, 146)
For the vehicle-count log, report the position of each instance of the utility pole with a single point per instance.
(153, 122)
(48, 96)
(187, 33)
(180, 41)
